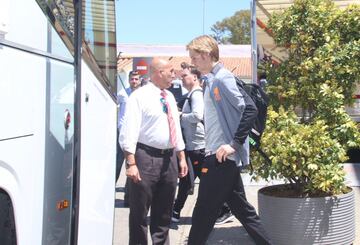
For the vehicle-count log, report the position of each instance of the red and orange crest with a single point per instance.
(217, 94)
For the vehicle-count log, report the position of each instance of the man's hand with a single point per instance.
(183, 168)
(131, 169)
(133, 173)
(223, 152)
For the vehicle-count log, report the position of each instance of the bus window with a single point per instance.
(99, 37)
(99, 34)
(58, 47)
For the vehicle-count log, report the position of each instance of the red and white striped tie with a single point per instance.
(172, 127)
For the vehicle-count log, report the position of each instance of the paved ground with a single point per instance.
(228, 234)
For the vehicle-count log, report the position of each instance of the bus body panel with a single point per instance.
(25, 24)
(22, 88)
(22, 139)
(97, 171)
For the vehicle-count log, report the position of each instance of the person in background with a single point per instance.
(193, 131)
(134, 81)
(178, 90)
(221, 180)
(262, 81)
(151, 140)
(144, 79)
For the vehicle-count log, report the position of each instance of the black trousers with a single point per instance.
(159, 174)
(219, 183)
(185, 184)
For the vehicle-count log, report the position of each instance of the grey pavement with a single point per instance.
(231, 233)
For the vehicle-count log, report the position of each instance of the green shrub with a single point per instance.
(304, 155)
(318, 79)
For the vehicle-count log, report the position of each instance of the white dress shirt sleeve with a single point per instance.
(121, 114)
(130, 129)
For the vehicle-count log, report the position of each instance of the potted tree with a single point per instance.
(308, 130)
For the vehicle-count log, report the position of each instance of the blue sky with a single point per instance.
(170, 21)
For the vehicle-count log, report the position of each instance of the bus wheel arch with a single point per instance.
(7, 220)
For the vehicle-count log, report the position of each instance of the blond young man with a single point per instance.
(221, 180)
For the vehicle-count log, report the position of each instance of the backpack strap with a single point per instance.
(190, 95)
(189, 99)
(248, 117)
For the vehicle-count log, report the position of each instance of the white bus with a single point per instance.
(58, 121)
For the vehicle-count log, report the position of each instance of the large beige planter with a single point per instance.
(302, 221)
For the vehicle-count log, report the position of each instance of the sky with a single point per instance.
(170, 21)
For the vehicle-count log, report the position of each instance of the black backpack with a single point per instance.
(181, 101)
(254, 126)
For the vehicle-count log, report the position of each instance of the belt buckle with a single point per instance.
(209, 153)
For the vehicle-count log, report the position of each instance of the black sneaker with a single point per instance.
(175, 217)
(224, 218)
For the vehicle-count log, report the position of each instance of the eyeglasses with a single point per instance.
(164, 105)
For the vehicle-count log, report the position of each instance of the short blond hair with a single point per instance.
(205, 44)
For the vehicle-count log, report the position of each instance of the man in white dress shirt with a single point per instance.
(150, 137)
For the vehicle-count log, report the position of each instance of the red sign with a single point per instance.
(142, 67)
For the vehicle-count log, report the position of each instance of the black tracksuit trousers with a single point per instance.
(220, 183)
(197, 159)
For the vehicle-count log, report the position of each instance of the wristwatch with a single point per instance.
(129, 164)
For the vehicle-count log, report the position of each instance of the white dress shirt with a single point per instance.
(146, 122)
(122, 98)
